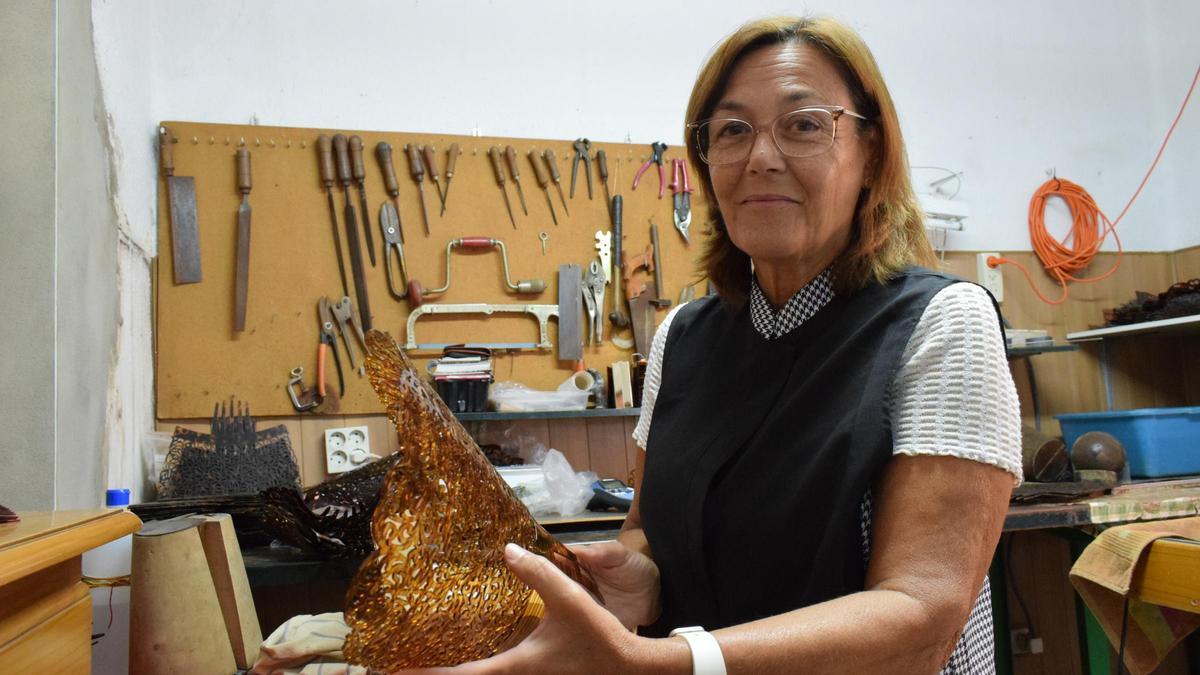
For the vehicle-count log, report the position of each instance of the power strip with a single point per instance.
(347, 448)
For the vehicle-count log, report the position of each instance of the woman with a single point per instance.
(830, 445)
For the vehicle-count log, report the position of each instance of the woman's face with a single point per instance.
(780, 209)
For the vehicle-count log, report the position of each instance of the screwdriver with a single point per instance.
(548, 155)
(431, 165)
(451, 157)
(543, 179)
(602, 166)
(360, 173)
(494, 153)
(383, 152)
(418, 174)
(510, 154)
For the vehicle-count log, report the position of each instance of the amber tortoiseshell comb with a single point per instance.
(436, 591)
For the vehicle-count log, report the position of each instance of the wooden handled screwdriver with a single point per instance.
(345, 176)
(602, 167)
(510, 154)
(383, 152)
(417, 169)
(360, 174)
(325, 153)
(552, 165)
(431, 166)
(494, 154)
(543, 179)
(451, 158)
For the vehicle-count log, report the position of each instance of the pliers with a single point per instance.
(343, 313)
(393, 240)
(328, 343)
(583, 153)
(593, 299)
(682, 189)
(657, 149)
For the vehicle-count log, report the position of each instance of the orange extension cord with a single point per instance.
(1062, 259)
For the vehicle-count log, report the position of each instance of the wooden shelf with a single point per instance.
(1014, 352)
(548, 414)
(1182, 324)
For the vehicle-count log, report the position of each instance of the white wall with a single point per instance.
(1002, 91)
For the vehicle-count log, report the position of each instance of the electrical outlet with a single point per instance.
(347, 448)
(1023, 642)
(989, 277)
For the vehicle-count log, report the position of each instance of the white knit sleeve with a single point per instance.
(641, 432)
(954, 394)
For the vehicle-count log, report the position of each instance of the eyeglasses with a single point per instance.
(800, 133)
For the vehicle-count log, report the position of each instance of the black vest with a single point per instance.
(760, 452)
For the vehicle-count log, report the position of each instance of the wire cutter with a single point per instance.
(681, 187)
(583, 153)
(657, 149)
(328, 342)
(393, 240)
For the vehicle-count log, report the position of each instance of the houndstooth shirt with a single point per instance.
(975, 651)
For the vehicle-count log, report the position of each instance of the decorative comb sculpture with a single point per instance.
(436, 590)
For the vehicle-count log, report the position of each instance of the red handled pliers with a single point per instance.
(656, 157)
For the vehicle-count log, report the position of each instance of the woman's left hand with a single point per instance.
(576, 635)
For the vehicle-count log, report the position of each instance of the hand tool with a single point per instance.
(583, 153)
(681, 189)
(602, 169)
(242, 280)
(389, 222)
(593, 299)
(328, 342)
(306, 399)
(342, 155)
(360, 173)
(570, 299)
(510, 154)
(657, 149)
(543, 314)
(417, 296)
(659, 302)
(181, 195)
(641, 313)
(417, 169)
(383, 152)
(635, 262)
(494, 154)
(427, 152)
(543, 236)
(344, 314)
(543, 179)
(603, 247)
(325, 155)
(552, 166)
(451, 157)
(618, 317)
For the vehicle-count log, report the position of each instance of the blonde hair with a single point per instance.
(888, 228)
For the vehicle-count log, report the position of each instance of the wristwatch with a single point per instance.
(706, 652)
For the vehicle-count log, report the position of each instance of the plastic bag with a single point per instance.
(516, 397)
(557, 490)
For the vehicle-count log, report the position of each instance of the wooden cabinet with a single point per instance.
(45, 610)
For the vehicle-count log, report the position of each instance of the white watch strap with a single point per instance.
(706, 651)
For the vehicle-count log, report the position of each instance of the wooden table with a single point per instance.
(45, 610)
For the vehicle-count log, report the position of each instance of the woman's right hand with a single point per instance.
(629, 581)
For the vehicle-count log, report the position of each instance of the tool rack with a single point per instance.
(200, 358)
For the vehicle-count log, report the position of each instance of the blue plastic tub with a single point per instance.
(1158, 441)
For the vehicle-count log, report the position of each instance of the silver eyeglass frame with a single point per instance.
(835, 111)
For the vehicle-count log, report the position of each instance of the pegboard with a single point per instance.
(200, 358)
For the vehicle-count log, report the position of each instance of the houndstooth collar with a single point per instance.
(799, 308)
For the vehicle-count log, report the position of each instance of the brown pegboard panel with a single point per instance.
(200, 359)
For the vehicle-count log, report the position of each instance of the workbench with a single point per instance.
(45, 608)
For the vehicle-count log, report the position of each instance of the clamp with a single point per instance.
(583, 153)
(306, 399)
(657, 149)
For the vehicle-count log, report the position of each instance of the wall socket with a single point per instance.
(347, 448)
(989, 277)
